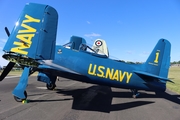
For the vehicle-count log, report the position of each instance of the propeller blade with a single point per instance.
(7, 31)
(10, 64)
(7, 70)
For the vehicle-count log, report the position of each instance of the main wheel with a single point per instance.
(19, 99)
(50, 86)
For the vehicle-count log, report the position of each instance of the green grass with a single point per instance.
(174, 75)
(15, 72)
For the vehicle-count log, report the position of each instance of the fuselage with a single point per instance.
(100, 69)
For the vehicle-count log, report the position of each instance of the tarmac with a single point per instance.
(72, 100)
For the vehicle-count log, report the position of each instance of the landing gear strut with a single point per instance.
(135, 93)
(19, 99)
(19, 92)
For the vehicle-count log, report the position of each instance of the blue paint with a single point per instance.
(79, 61)
(21, 86)
(44, 40)
(74, 61)
(47, 78)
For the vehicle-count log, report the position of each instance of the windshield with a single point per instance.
(85, 48)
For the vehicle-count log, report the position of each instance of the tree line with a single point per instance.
(175, 62)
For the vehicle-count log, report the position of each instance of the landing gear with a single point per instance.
(50, 86)
(19, 99)
(20, 89)
(135, 93)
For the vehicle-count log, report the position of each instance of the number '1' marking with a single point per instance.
(157, 57)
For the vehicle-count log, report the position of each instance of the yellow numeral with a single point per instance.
(157, 57)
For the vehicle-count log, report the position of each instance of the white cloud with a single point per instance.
(92, 35)
(88, 22)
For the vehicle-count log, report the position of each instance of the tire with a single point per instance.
(20, 100)
(50, 86)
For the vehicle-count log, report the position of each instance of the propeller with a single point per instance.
(7, 70)
(10, 64)
(7, 31)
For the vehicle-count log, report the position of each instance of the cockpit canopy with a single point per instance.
(99, 47)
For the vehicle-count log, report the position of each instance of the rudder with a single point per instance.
(159, 60)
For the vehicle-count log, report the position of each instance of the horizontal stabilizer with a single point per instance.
(152, 76)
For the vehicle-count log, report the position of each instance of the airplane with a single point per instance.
(32, 44)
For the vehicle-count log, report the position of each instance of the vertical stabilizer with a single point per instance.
(159, 60)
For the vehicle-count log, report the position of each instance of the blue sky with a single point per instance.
(131, 28)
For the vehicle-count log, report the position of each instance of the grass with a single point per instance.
(15, 72)
(174, 75)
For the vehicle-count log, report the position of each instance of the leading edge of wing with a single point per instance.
(153, 76)
(51, 65)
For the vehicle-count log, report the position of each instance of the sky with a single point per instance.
(131, 28)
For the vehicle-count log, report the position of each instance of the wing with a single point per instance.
(48, 64)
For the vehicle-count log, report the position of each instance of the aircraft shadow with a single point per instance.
(98, 98)
(163, 95)
(31, 101)
(167, 96)
(36, 94)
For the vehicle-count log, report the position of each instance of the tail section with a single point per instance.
(159, 60)
(156, 67)
(34, 35)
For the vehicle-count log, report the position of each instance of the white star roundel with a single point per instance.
(98, 43)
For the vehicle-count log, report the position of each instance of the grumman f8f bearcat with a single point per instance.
(32, 44)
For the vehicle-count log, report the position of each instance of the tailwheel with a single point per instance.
(136, 96)
(135, 93)
(19, 99)
(50, 86)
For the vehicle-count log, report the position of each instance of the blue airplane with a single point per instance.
(32, 44)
